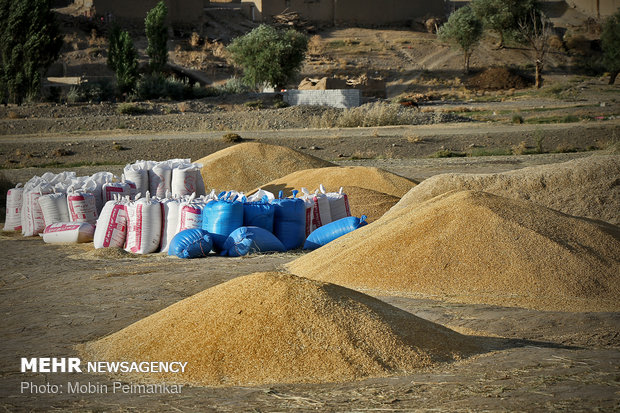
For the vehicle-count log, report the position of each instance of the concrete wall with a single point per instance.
(364, 12)
(179, 11)
(337, 98)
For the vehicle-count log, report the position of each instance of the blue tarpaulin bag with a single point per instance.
(289, 223)
(327, 233)
(258, 214)
(220, 218)
(191, 243)
(248, 240)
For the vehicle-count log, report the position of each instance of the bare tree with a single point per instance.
(535, 30)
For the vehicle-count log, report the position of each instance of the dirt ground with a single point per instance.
(54, 297)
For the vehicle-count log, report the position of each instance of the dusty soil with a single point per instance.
(54, 297)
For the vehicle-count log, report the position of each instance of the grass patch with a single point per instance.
(369, 115)
(231, 138)
(256, 104)
(445, 153)
(130, 109)
(553, 119)
(491, 152)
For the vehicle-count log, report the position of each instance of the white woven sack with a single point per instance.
(33, 222)
(170, 218)
(82, 207)
(309, 204)
(139, 175)
(72, 232)
(184, 180)
(112, 189)
(143, 225)
(338, 204)
(190, 214)
(54, 208)
(14, 202)
(100, 179)
(160, 177)
(322, 212)
(111, 229)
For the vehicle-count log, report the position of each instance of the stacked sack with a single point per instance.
(151, 206)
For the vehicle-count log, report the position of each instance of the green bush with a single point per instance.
(123, 60)
(158, 86)
(268, 56)
(130, 109)
(234, 85)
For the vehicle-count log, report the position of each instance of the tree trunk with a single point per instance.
(500, 45)
(612, 76)
(539, 79)
(466, 62)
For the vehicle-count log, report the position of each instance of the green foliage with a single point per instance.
(123, 59)
(269, 56)
(464, 30)
(158, 86)
(29, 43)
(130, 109)
(610, 43)
(157, 36)
(502, 16)
(234, 85)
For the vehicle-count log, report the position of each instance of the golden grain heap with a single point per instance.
(587, 187)
(367, 202)
(275, 328)
(477, 247)
(246, 166)
(334, 177)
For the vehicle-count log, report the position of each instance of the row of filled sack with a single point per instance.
(150, 224)
(65, 197)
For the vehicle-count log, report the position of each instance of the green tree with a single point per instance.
(123, 59)
(502, 16)
(268, 56)
(29, 43)
(464, 30)
(610, 43)
(157, 36)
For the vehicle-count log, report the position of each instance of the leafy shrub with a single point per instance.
(130, 109)
(268, 56)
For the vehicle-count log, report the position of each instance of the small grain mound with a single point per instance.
(275, 328)
(587, 187)
(334, 177)
(477, 247)
(245, 166)
(367, 202)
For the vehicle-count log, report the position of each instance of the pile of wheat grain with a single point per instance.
(477, 247)
(588, 187)
(246, 166)
(334, 177)
(275, 328)
(367, 202)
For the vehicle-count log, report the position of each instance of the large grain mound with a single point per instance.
(588, 187)
(276, 327)
(245, 166)
(479, 248)
(367, 202)
(334, 177)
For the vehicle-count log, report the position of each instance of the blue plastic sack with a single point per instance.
(329, 232)
(247, 240)
(259, 214)
(220, 218)
(191, 243)
(289, 222)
